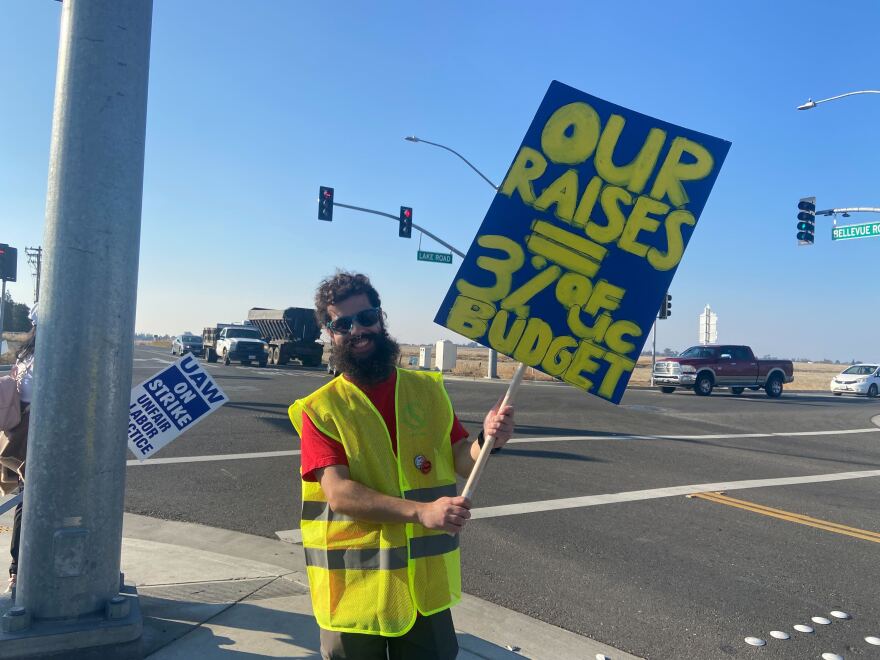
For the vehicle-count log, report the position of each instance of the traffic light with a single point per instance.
(665, 307)
(325, 204)
(806, 225)
(405, 228)
(8, 262)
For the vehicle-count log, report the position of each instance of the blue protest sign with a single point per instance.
(167, 404)
(579, 246)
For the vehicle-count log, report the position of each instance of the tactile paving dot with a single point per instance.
(831, 656)
(837, 614)
(821, 620)
(755, 641)
(802, 628)
(780, 634)
(873, 640)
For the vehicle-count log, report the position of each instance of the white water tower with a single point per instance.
(708, 326)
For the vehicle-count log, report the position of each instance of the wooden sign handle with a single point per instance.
(489, 441)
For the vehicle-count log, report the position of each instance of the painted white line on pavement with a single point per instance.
(655, 493)
(714, 436)
(154, 359)
(295, 536)
(557, 438)
(215, 457)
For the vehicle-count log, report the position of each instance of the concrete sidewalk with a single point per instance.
(211, 593)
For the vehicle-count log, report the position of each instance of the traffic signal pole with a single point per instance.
(396, 218)
(654, 352)
(70, 601)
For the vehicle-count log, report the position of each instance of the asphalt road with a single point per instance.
(588, 519)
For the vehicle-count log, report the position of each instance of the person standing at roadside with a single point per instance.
(381, 448)
(13, 443)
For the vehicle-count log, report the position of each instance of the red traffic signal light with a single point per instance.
(404, 230)
(8, 262)
(325, 204)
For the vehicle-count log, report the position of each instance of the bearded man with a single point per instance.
(381, 448)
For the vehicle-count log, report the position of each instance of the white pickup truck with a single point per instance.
(235, 342)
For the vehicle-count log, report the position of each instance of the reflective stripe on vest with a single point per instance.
(313, 510)
(430, 494)
(429, 546)
(368, 559)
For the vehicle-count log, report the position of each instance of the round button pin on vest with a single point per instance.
(422, 464)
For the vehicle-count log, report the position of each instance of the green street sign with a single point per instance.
(862, 230)
(436, 257)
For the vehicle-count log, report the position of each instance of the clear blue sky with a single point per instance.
(253, 105)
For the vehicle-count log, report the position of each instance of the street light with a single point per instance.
(413, 138)
(492, 371)
(810, 104)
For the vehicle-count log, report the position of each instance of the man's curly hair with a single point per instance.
(341, 286)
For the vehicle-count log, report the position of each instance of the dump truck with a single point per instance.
(234, 342)
(291, 333)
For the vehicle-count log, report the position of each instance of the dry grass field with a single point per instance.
(813, 376)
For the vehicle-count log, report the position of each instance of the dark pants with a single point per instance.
(16, 534)
(430, 638)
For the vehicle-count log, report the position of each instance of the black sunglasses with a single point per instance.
(364, 318)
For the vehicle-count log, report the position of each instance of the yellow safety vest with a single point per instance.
(374, 577)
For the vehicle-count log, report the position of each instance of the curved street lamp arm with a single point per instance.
(450, 150)
(850, 209)
(812, 104)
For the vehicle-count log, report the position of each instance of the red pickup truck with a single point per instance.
(703, 368)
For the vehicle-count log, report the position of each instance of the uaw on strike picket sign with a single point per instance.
(167, 404)
(578, 248)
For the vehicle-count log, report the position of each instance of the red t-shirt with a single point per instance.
(319, 450)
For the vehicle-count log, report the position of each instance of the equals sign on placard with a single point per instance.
(565, 248)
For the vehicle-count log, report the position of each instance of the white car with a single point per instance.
(857, 379)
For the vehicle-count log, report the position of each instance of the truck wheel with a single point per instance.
(703, 386)
(226, 359)
(872, 391)
(211, 354)
(736, 391)
(665, 390)
(773, 388)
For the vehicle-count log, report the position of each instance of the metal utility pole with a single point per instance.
(35, 259)
(70, 601)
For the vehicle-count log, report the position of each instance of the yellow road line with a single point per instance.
(828, 526)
